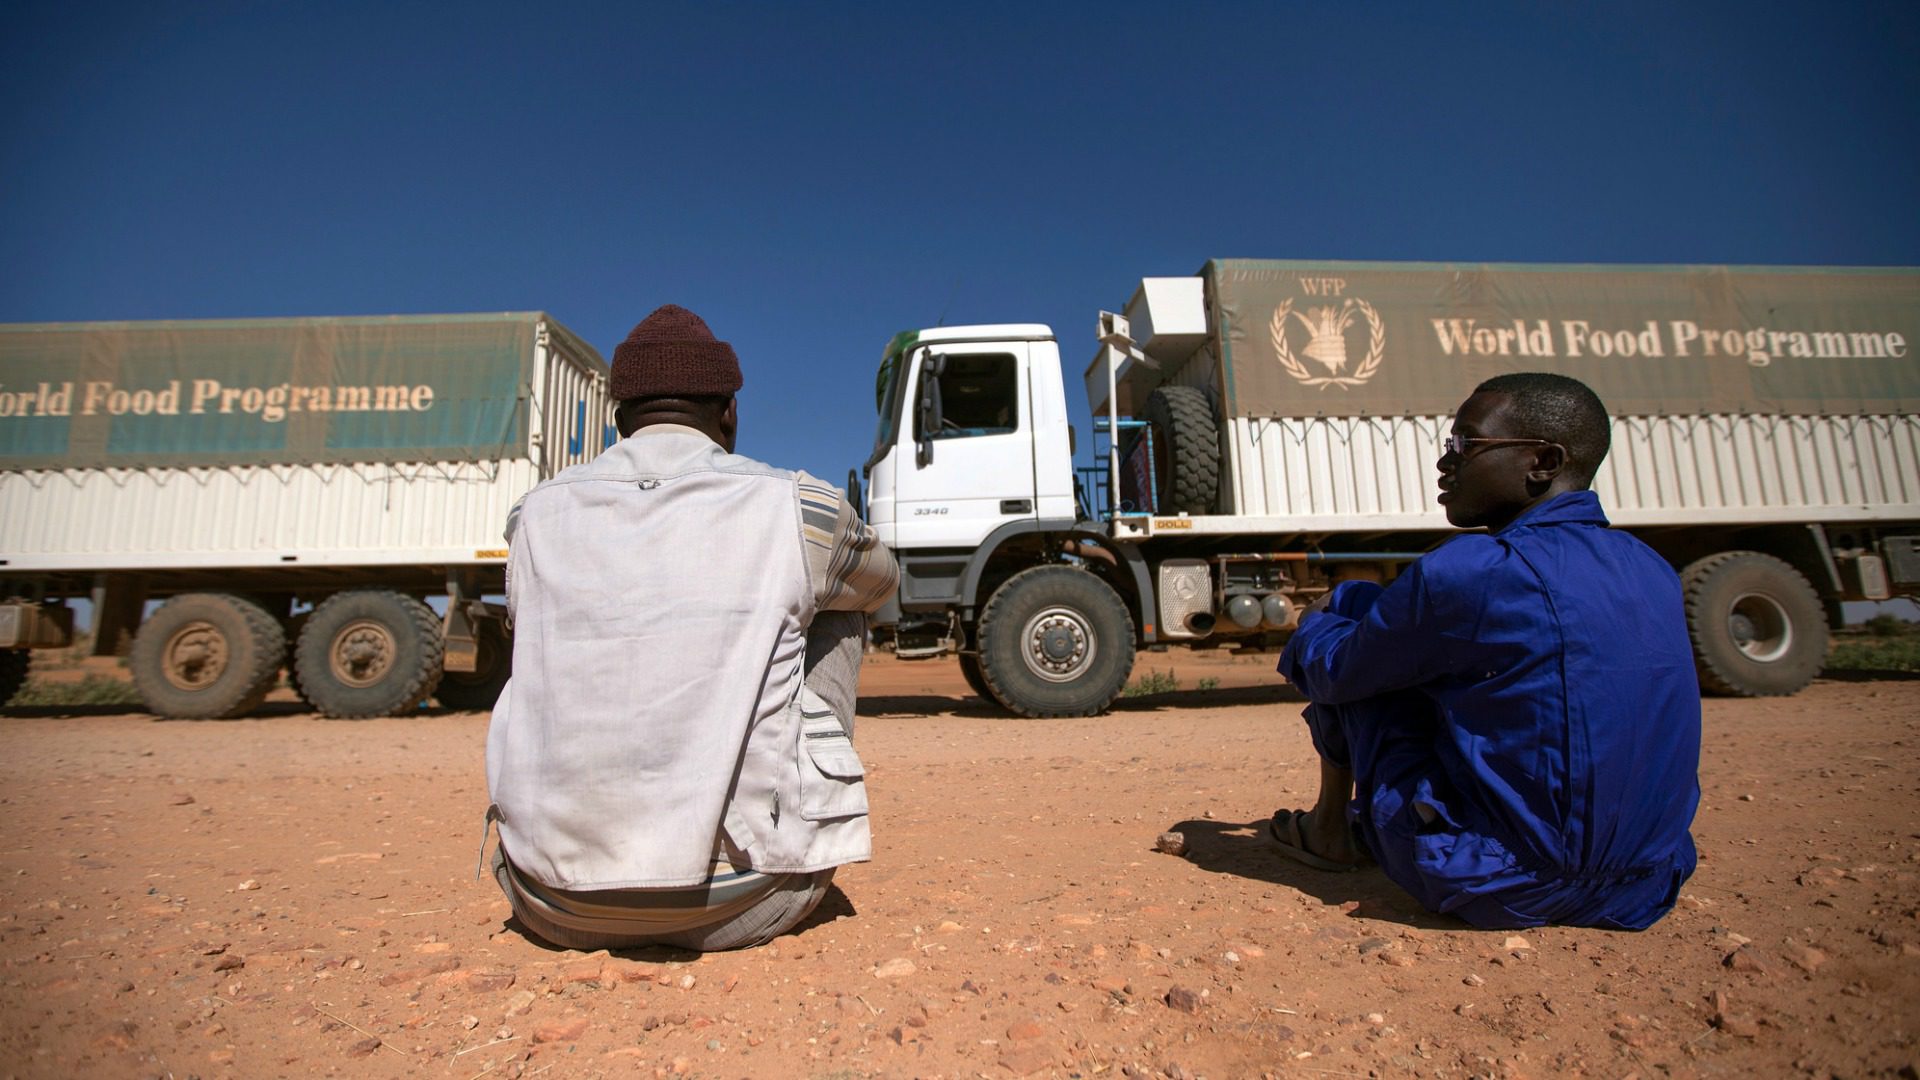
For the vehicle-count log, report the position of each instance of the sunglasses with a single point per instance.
(1458, 444)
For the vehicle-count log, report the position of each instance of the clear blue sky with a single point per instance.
(813, 177)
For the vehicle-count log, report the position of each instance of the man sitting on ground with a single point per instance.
(1519, 709)
(672, 762)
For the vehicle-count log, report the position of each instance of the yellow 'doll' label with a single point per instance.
(1172, 523)
(490, 553)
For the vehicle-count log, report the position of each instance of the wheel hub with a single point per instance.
(1058, 644)
(362, 654)
(1760, 627)
(195, 656)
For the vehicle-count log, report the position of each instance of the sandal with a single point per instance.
(1284, 830)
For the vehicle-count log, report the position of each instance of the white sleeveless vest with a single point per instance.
(660, 600)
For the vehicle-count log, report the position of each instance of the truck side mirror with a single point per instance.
(927, 414)
(853, 494)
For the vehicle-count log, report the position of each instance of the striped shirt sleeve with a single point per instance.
(851, 570)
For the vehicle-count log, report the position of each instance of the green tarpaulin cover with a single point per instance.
(1332, 338)
(265, 391)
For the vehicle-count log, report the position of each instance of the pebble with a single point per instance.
(181, 799)
(469, 1022)
(1746, 959)
(489, 980)
(897, 968)
(1374, 945)
(519, 1003)
(363, 1048)
(1734, 1024)
(1025, 1029)
(1171, 843)
(1472, 979)
(687, 981)
(1183, 999)
(560, 1030)
(1376, 1019)
(1025, 1059)
(230, 962)
(1806, 958)
(1516, 943)
(248, 885)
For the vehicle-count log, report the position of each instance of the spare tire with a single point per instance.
(480, 688)
(970, 671)
(13, 672)
(1186, 450)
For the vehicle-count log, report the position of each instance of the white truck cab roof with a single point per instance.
(990, 332)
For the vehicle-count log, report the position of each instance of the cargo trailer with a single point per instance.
(290, 492)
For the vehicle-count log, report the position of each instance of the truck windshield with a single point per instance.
(888, 386)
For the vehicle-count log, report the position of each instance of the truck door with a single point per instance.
(964, 463)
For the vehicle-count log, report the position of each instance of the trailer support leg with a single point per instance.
(118, 602)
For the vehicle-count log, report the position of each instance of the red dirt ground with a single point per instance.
(293, 896)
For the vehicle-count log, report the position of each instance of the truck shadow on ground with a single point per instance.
(1883, 675)
(974, 708)
(1241, 849)
(273, 710)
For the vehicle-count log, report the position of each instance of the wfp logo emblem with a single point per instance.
(1330, 336)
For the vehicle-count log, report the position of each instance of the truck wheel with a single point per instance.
(1758, 627)
(480, 688)
(207, 656)
(970, 671)
(368, 652)
(1055, 641)
(1186, 449)
(13, 672)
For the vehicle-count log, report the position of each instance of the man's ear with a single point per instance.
(1549, 462)
(730, 422)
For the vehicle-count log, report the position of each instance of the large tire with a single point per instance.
(1758, 627)
(368, 652)
(1055, 641)
(13, 672)
(207, 656)
(970, 671)
(480, 688)
(1186, 450)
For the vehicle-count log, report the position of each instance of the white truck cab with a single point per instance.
(1002, 449)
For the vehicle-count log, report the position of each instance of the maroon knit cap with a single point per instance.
(673, 354)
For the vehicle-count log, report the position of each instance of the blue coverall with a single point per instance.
(1521, 715)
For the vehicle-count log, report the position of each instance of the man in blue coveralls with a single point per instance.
(1511, 729)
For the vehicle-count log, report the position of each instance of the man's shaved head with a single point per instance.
(1558, 409)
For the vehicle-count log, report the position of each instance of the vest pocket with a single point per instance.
(832, 780)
